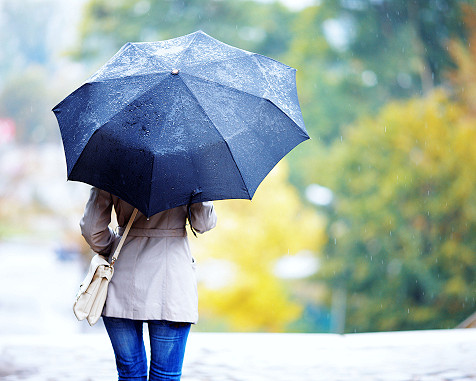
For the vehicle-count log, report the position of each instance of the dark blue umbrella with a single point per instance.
(190, 119)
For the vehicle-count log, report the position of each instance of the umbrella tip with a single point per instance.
(175, 71)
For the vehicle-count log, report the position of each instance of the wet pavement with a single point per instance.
(400, 356)
(40, 340)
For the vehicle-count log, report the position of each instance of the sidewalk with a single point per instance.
(398, 356)
(40, 340)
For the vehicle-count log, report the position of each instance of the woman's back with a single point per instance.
(154, 277)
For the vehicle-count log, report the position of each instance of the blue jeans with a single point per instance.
(167, 348)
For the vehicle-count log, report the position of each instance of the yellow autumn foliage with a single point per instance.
(251, 236)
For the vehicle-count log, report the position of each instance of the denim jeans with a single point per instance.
(167, 348)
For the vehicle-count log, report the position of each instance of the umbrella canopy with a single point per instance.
(190, 119)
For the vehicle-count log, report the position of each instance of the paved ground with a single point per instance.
(446, 355)
(40, 340)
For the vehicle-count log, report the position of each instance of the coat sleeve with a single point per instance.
(203, 216)
(95, 222)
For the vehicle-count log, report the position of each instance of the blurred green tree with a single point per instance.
(355, 56)
(27, 60)
(25, 98)
(402, 239)
(250, 25)
(396, 39)
(463, 79)
(26, 25)
(402, 227)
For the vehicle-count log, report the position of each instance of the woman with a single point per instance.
(154, 282)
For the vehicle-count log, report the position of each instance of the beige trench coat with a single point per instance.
(154, 276)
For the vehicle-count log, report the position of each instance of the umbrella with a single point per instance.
(190, 119)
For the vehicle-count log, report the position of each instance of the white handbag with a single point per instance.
(92, 293)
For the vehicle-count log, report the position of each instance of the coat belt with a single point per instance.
(147, 232)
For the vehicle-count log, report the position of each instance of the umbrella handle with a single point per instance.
(189, 210)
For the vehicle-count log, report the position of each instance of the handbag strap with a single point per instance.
(123, 238)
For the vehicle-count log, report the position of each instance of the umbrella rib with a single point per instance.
(229, 150)
(132, 45)
(255, 57)
(245, 92)
(260, 65)
(186, 49)
(216, 61)
(137, 46)
(248, 54)
(137, 96)
(291, 119)
(164, 72)
(117, 111)
(227, 86)
(193, 40)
